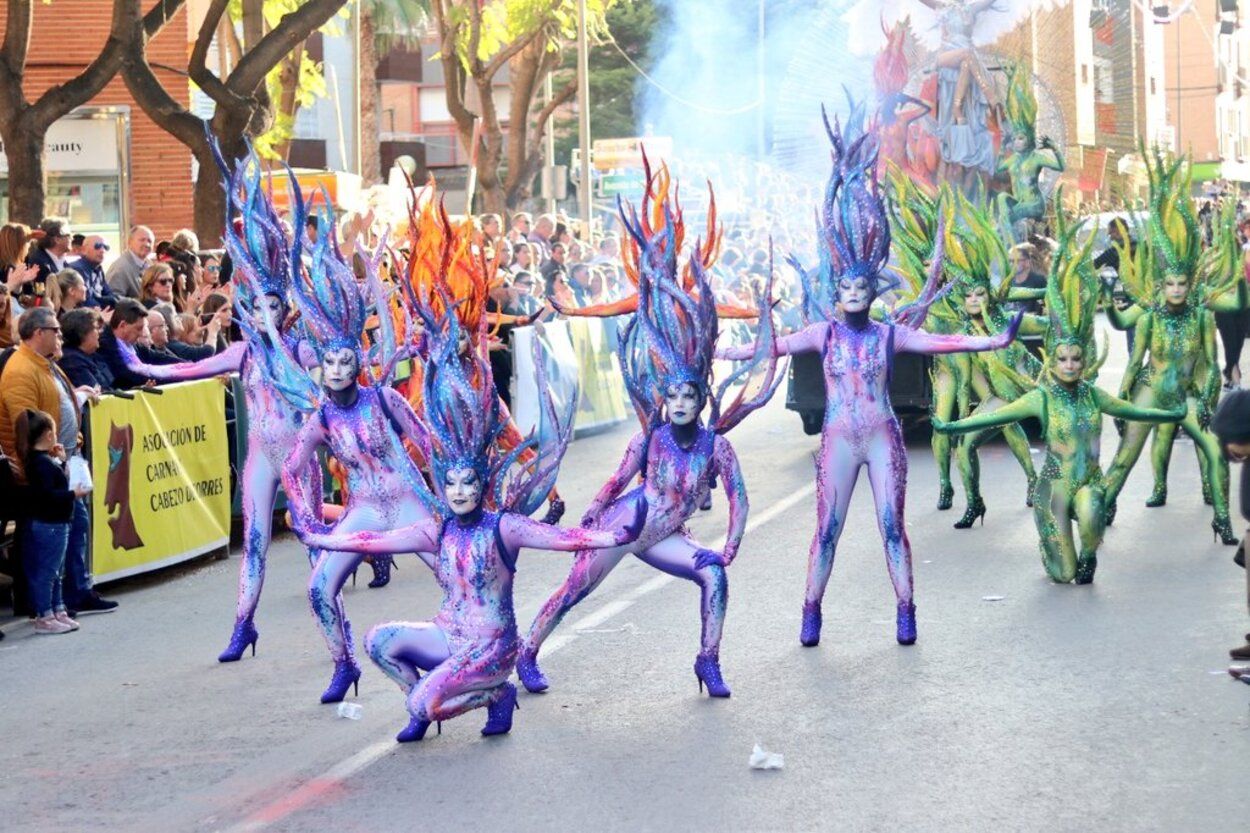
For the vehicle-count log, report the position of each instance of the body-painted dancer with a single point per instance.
(362, 425)
(467, 652)
(1174, 358)
(262, 258)
(666, 357)
(1070, 487)
(972, 249)
(857, 353)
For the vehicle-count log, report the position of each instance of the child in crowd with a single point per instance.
(51, 507)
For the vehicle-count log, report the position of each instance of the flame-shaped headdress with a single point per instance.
(260, 247)
(672, 338)
(463, 420)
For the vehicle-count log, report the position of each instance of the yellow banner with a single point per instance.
(162, 476)
(603, 400)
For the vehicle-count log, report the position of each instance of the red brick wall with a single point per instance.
(66, 36)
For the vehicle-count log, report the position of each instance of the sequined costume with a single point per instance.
(666, 358)
(1070, 485)
(262, 259)
(361, 424)
(444, 264)
(469, 649)
(1025, 159)
(973, 251)
(1173, 282)
(860, 427)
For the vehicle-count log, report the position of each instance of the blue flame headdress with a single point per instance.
(259, 249)
(463, 419)
(853, 224)
(672, 338)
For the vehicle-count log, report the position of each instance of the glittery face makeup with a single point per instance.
(974, 301)
(339, 369)
(1069, 363)
(1176, 289)
(462, 343)
(855, 293)
(683, 403)
(270, 307)
(462, 490)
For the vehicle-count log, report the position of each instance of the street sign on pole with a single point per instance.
(611, 154)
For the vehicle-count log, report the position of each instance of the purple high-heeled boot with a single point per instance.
(529, 673)
(499, 713)
(810, 634)
(707, 670)
(906, 624)
(244, 634)
(346, 675)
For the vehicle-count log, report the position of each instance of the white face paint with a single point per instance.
(683, 403)
(974, 301)
(463, 490)
(855, 294)
(1175, 289)
(339, 369)
(271, 307)
(1069, 363)
(462, 343)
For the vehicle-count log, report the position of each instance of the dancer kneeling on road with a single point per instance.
(480, 525)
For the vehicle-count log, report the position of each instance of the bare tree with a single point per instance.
(24, 124)
(243, 106)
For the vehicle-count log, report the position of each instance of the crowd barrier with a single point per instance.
(579, 352)
(162, 478)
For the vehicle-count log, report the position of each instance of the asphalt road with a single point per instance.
(1055, 708)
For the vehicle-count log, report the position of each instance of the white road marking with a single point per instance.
(371, 754)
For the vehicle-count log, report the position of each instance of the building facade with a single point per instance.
(150, 181)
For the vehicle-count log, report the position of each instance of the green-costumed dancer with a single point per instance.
(1221, 265)
(973, 251)
(1070, 408)
(1026, 159)
(913, 224)
(1174, 287)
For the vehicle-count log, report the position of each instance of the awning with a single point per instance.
(1206, 171)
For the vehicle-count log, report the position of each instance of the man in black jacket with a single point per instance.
(1231, 424)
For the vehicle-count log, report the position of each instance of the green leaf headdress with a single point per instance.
(1021, 103)
(1072, 292)
(1172, 227)
(973, 247)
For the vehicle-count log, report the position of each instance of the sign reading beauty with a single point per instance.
(76, 145)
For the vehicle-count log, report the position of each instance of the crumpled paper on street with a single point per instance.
(761, 758)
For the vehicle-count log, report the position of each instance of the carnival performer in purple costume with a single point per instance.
(860, 427)
(666, 355)
(361, 425)
(263, 266)
(470, 647)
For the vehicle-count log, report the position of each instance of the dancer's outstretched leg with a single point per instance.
(1131, 445)
(887, 473)
(837, 469)
(1216, 468)
(676, 555)
(260, 488)
(325, 596)
(945, 396)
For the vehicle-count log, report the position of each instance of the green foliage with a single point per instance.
(311, 82)
(614, 84)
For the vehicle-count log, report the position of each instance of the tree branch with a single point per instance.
(453, 72)
(16, 38)
(291, 30)
(58, 100)
(197, 67)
